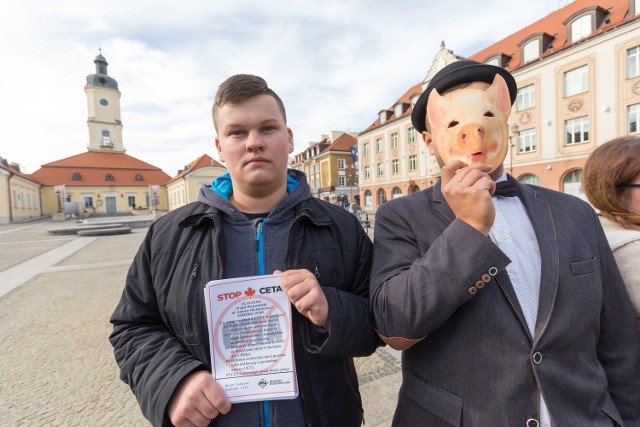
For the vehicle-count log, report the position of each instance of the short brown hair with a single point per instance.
(241, 87)
(608, 169)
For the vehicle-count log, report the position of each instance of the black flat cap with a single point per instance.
(465, 71)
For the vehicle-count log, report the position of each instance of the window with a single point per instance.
(131, 201)
(365, 149)
(341, 164)
(572, 184)
(367, 172)
(576, 130)
(342, 181)
(106, 139)
(398, 110)
(531, 51)
(394, 140)
(576, 81)
(88, 201)
(413, 162)
(636, 7)
(138, 177)
(527, 141)
(380, 169)
(383, 116)
(633, 61)
(494, 62)
(581, 28)
(108, 177)
(22, 199)
(368, 198)
(76, 176)
(379, 145)
(529, 179)
(634, 118)
(414, 189)
(396, 193)
(15, 199)
(411, 135)
(382, 196)
(526, 97)
(395, 166)
(67, 197)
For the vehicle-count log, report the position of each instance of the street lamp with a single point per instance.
(513, 140)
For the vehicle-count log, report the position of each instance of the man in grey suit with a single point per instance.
(507, 302)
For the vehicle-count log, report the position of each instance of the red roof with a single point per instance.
(15, 171)
(342, 143)
(555, 26)
(406, 98)
(93, 168)
(204, 161)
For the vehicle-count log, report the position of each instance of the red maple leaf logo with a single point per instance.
(249, 292)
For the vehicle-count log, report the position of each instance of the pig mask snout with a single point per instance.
(471, 133)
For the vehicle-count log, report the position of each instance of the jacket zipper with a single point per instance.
(259, 247)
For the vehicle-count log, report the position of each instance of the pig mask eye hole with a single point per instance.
(488, 114)
(454, 123)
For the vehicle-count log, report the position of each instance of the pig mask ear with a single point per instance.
(437, 105)
(498, 93)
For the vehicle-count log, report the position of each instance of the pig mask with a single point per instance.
(470, 124)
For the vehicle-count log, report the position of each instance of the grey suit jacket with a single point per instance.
(437, 279)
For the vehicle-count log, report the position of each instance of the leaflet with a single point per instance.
(250, 335)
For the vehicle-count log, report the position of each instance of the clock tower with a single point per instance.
(103, 102)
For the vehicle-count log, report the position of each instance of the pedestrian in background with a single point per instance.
(611, 181)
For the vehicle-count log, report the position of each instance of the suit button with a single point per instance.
(532, 422)
(486, 278)
(472, 290)
(537, 357)
(479, 284)
(493, 271)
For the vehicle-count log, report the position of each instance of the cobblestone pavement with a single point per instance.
(56, 364)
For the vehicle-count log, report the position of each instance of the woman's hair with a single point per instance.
(608, 169)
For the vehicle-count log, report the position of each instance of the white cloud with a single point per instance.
(334, 63)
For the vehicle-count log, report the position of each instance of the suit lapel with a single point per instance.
(540, 216)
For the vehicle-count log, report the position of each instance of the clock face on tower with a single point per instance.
(104, 102)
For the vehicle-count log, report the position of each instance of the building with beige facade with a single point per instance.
(185, 186)
(330, 167)
(19, 194)
(578, 76)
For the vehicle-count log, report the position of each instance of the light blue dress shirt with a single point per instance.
(513, 233)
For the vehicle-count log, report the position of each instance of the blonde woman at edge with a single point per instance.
(611, 181)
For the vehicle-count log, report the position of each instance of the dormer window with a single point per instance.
(383, 116)
(76, 176)
(138, 177)
(415, 97)
(581, 28)
(584, 22)
(534, 46)
(398, 110)
(498, 60)
(531, 51)
(108, 177)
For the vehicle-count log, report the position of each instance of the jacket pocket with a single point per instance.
(581, 268)
(194, 302)
(433, 399)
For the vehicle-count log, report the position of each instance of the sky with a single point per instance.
(335, 64)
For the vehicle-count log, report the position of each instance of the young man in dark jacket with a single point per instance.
(160, 332)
